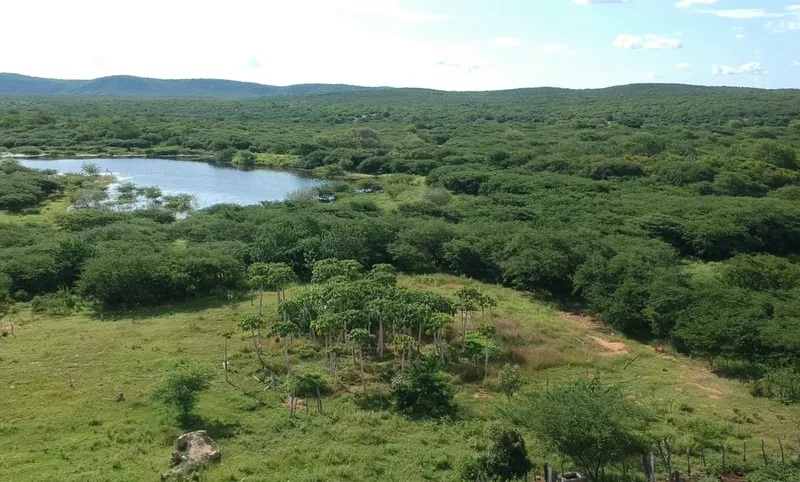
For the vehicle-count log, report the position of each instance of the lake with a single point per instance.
(209, 184)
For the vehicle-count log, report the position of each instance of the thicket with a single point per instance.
(668, 212)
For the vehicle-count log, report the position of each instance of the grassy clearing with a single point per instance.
(47, 212)
(60, 378)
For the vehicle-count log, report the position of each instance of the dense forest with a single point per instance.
(671, 213)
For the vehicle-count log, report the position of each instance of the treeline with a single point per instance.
(620, 264)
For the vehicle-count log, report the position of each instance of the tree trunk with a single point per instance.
(258, 354)
(419, 336)
(260, 300)
(361, 361)
(485, 361)
(380, 337)
(288, 360)
(225, 361)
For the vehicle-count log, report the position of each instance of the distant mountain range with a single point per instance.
(130, 86)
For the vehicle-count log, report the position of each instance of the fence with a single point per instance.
(675, 472)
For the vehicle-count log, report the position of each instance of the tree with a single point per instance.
(592, 423)
(487, 331)
(253, 324)
(505, 459)
(439, 324)
(226, 335)
(468, 297)
(510, 380)
(90, 169)
(361, 338)
(270, 276)
(285, 330)
(179, 388)
(426, 392)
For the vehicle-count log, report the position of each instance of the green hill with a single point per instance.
(131, 86)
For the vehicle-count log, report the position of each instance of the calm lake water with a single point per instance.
(208, 183)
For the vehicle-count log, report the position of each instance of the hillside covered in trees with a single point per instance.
(131, 86)
(669, 213)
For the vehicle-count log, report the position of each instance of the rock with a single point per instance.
(120, 397)
(194, 450)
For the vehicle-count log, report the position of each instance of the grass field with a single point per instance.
(60, 378)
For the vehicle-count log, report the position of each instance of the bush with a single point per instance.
(781, 384)
(761, 272)
(178, 389)
(506, 459)
(61, 303)
(608, 169)
(590, 422)
(425, 392)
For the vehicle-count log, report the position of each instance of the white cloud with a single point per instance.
(752, 68)
(654, 76)
(795, 63)
(683, 66)
(689, 3)
(603, 2)
(556, 49)
(507, 41)
(646, 42)
(740, 35)
(782, 26)
(741, 13)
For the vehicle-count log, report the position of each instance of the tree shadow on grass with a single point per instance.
(149, 312)
(216, 429)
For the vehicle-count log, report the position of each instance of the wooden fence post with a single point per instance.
(763, 452)
(744, 453)
(780, 444)
(703, 456)
(548, 473)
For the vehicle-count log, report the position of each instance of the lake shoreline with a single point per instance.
(209, 182)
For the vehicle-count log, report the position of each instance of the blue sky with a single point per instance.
(446, 44)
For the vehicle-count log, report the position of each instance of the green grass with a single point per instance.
(60, 376)
(47, 212)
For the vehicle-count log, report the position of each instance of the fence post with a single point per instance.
(780, 444)
(763, 452)
(703, 456)
(744, 453)
(548, 473)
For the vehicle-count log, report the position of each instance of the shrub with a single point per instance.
(590, 422)
(782, 384)
(179, 387)
(425, 392)
(506, 459)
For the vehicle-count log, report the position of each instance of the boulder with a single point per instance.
(193, 450)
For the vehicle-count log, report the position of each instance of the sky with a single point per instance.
(445, 44)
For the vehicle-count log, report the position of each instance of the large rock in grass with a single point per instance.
(194, 450)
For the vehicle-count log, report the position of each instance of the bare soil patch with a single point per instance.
(610, 348)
